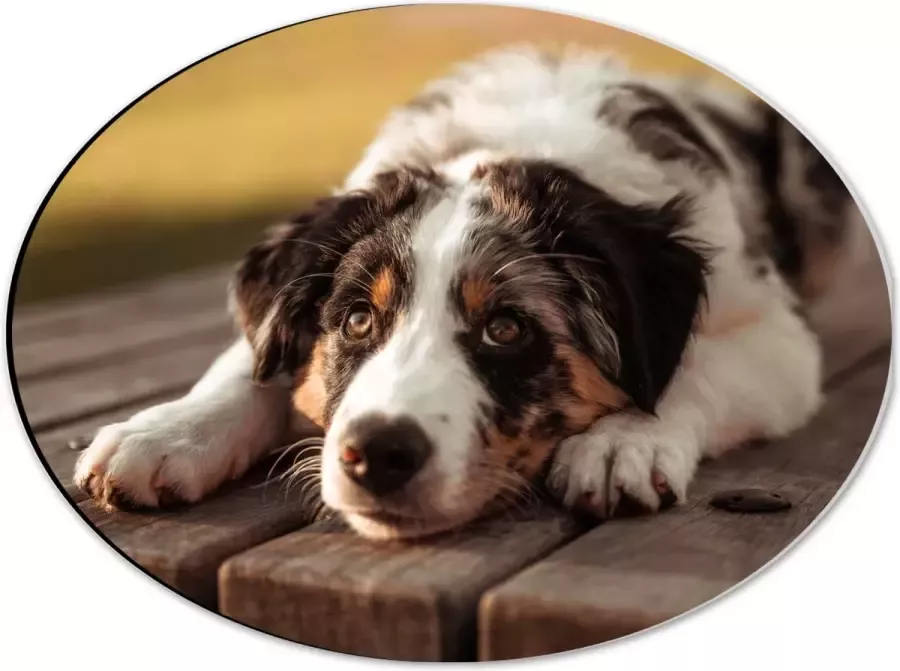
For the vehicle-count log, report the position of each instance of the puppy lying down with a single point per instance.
(542, 264)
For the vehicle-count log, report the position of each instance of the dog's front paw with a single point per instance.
(623, 461)
(157, 458)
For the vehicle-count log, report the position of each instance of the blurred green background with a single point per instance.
(190, 175)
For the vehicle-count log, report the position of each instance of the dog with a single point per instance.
(545, 267)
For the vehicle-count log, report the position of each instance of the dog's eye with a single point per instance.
(503, 330)
(358, 324)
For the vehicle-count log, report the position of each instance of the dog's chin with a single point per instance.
(381, 526)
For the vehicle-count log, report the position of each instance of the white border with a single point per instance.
(66, 598)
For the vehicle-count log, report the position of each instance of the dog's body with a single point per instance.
(539, 252)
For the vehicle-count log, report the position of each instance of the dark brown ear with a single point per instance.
(281, 282)
(658, 127)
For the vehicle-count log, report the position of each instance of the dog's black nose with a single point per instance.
(382, 454)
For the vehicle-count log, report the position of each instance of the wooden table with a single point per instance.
(519, 585)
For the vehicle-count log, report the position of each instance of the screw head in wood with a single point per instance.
(749, 501)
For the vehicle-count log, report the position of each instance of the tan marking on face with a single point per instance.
(530, 461)
(475, 293)
(522, 454)
(593, 396)
(382, 289)
(310, 397)
(499, 448)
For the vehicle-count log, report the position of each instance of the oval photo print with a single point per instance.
(450, 333)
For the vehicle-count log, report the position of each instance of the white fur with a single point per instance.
(421, 372)
(513, 103)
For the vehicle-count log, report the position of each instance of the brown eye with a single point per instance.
(359, 323)
(503, 331)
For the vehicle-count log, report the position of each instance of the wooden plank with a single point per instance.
(854, 318)
(175, 294)
(627, 575)
(184, 548)
(51, 402)
(327, 587)
(61, 353)
(54, 339)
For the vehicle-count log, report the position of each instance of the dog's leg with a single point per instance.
(182, 450)
(756, 381)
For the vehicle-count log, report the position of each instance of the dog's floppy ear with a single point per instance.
(639, 284)
(657, 286)
(281, 282)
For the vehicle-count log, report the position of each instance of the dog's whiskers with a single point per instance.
(313, 443)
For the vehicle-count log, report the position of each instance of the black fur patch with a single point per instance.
(517, 382)
(804, 200)
(657, 127)
(632, 264)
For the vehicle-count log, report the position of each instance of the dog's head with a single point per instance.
(448, 335)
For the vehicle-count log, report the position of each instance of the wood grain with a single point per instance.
(100, 313)
(184, 548)
(854, 318)
(326, 587)
(60, 354)
(52, 402)
(55, 339)
(627, 575)
(101, 360)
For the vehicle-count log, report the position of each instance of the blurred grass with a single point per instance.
(190, 174)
